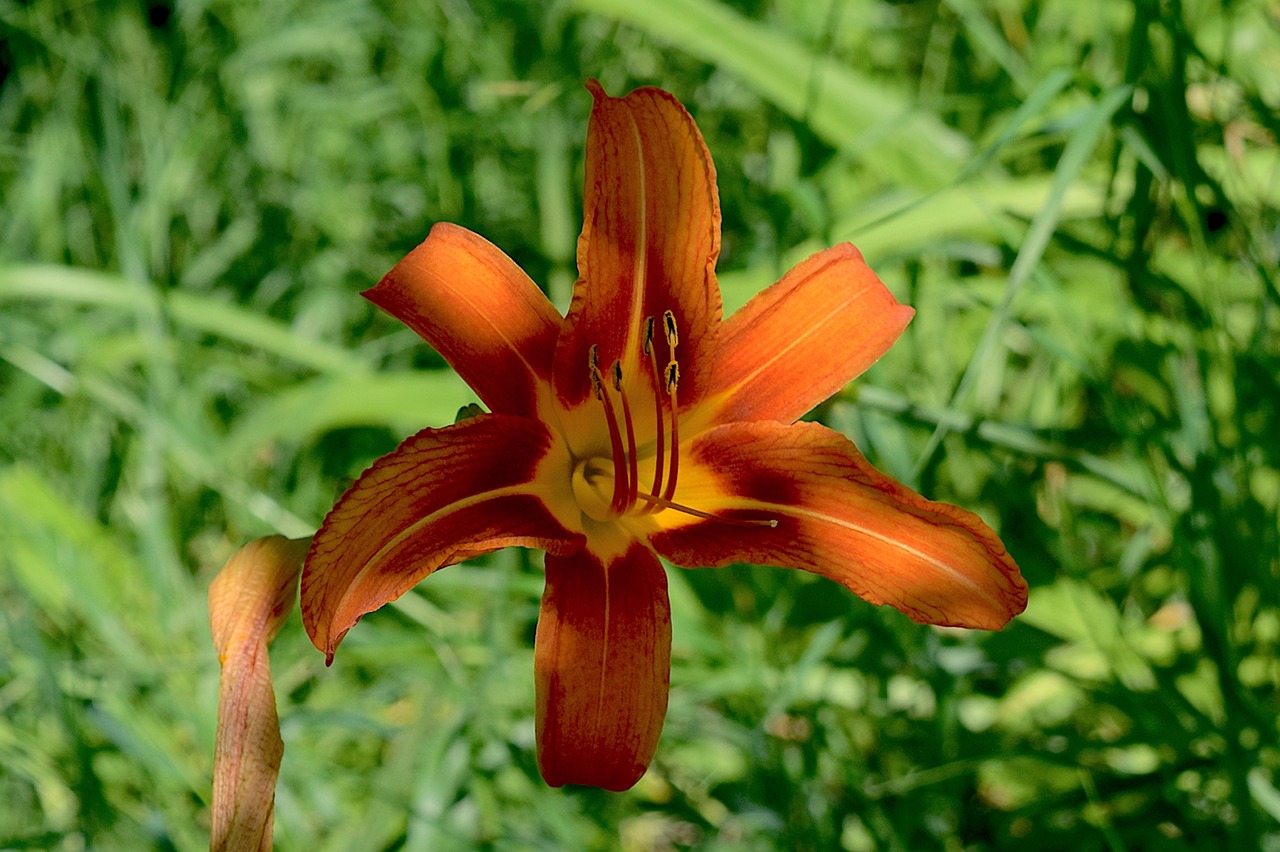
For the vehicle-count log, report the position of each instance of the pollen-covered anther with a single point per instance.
(673, 334)
(672, 377)
(593, 368)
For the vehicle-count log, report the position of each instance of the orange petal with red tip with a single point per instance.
(442, 496)
(842, 519)
(480, 311)
(801, 340)
(649, 243)
(602, 665)
(249, 600)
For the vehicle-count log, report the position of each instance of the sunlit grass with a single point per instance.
(1080, 200)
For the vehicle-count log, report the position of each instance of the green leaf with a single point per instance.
(852, 111)
(49, 283)
(403, 401)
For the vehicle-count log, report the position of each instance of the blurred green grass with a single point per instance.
(1080, 200)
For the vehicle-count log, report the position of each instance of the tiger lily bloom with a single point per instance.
(641, 425)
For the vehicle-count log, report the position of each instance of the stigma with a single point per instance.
(609, 488)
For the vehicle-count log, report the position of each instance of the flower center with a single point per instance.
(607, 488)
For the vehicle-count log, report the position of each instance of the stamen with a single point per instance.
(618, 504)
(660, 443)
(633, 474)
(673, 381)
(698, 513)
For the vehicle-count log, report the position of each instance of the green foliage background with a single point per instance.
(1079, 198)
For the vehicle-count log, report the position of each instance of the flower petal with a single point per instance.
(603, 668)
(649, 243)
(840, 518)
(801, 340)
(442, 496)
(480, 311)
(248, 602)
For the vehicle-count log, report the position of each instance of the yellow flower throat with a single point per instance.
(608, 487)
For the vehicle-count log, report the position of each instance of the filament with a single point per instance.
(618, 505)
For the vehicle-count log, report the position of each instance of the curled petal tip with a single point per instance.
(248, 602)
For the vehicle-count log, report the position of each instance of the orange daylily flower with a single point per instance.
(640, 426)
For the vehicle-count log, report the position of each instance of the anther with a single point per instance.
(593, 365)
(673, 336)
